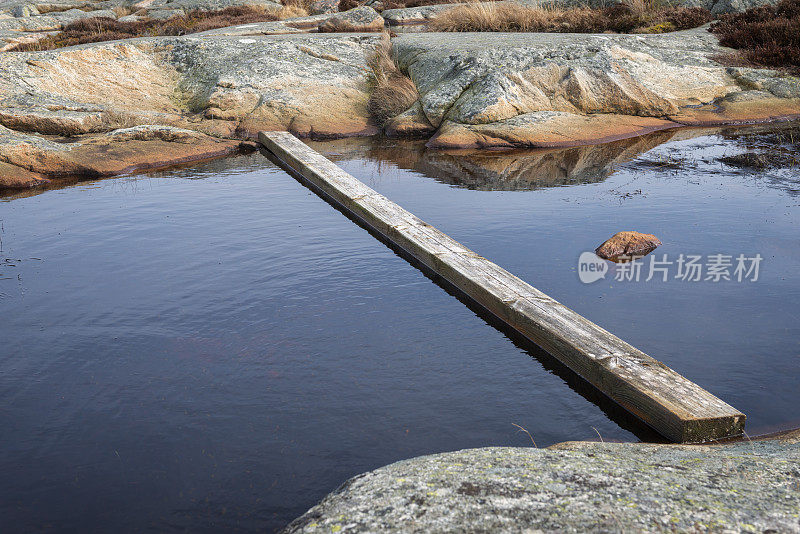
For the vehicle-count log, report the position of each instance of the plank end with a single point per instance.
(710, 429)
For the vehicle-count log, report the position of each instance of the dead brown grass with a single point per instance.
(393, 91)
(295, 8)
(291, 12)
(634, 16)
(346, 5)
(99, 29)
(766, 36)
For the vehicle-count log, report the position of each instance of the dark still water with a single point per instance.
(216, 348)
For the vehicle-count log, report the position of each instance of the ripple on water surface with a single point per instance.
(216, 348)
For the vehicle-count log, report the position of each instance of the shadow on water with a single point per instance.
(612, 410)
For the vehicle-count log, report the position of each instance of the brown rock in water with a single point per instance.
(627, 244)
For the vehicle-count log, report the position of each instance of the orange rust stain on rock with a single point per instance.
(13, 177)
(29, 166)
(564, 130)
(739, 112)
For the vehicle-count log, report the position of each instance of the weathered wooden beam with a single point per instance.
(672, 405)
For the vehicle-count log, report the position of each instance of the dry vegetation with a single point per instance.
(633, 16)
(97, 29)
(767, 35)
(393, 91)
(344, 5)
(762, 160)
(295, 8)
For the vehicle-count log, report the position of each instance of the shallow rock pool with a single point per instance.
(216, 348)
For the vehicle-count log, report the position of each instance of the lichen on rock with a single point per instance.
(574, 487)
(220, 87)
(543, 90)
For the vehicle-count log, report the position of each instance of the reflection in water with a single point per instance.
(776, 147)
(514, 170)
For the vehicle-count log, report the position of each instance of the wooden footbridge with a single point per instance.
(672, 405)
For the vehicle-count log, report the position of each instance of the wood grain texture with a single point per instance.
(672, 405)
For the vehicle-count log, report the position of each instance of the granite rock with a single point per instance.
(574, 487)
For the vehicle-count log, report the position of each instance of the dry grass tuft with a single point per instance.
(99, 29)
(295, 8)
(490, 17)
(767, 35)
(643, 8)
(393, 4)
(634, 16)
(393, 92)
(347, 5)
(292, 12)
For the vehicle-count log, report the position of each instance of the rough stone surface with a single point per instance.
(505, 90)
(27, 160)
(360, 19)
(476, 90)
(310, 84)
(27, 10)
(303, 82)
(413, 15)
(736, 6)
(319, 7)
(164, 14)
(627, 244)
(25, 22)
(574, 487)
(225, 87)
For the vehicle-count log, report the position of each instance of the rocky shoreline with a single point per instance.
(198, 96)
(748, 486)
(131, 105)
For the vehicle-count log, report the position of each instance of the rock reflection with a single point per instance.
(492, 170)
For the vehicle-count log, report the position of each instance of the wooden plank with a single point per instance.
(672, 405)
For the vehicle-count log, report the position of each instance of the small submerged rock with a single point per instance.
(627, 244)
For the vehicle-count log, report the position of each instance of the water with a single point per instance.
(216, 348)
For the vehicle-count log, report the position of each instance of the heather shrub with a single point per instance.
(766, 35)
